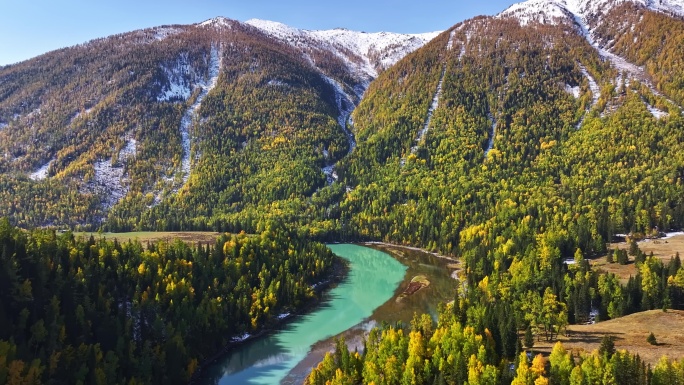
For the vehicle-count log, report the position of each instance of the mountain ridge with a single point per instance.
(166, 75)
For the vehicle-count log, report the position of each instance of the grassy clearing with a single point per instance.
(630, 332)
(664, 249)
(203, 237)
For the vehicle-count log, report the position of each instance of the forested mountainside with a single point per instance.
(204, 119)
(503, 126)
(517, 143)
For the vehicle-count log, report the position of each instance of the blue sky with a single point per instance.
(29, 28)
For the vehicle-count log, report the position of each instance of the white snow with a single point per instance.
(577, 12)
(658, 114)
(129, 149)
(161, 33)
(345, 106)
(283, 315)
(672, 234)
(431, 111)
(595, 92)
(330, 173)
(81, 113)
(217, 22)
(188, 118)
(377, 51)
(556, 11)
(109, 182)
(179, 75)
(539, 11)
(492, 134)
(241, 338)
(42, 171)
(593, 86)
(450, 44)
(675, 7)
(364, 55)
(574, 91)
(277, 83)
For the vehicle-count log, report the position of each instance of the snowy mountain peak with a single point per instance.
(217, 22)
(378, 50)
(555, 11)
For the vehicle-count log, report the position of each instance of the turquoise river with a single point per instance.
(373, 278)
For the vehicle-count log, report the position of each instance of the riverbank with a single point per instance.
(339, 272)
(412, 248)
(438, 269)
(392, 248)
(269, 359)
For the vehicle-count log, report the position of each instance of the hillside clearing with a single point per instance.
(662, 248)
(203, 237)
(631, 332)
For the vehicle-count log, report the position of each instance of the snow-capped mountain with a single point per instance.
(364, 53)
(592, 19)
(554, 11)
(158, 88)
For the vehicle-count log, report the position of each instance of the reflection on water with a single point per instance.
(373, 279)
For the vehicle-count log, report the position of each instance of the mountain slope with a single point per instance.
(536, 131)
(604, 22)
(146, 123)
(365, 53)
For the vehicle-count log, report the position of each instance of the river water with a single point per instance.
(373, 279)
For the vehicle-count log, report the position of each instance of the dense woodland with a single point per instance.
(92, 311)
(557, 184)
(453, 354)
(261, 136)
(515, 176)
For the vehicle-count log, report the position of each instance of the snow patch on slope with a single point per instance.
(658, 114)
(179, 76)
(574, 91)
(556, 11)
(433, 106)
(377, 50)
(215, 59)
(345, 106)
(161, 33)
(595, 93)
(217, 22)
(129, 150)
(536, 11)
(492, 134)
(431, 111)
(81, 113)
(42, 171)
(593, 86)
(110, 181)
